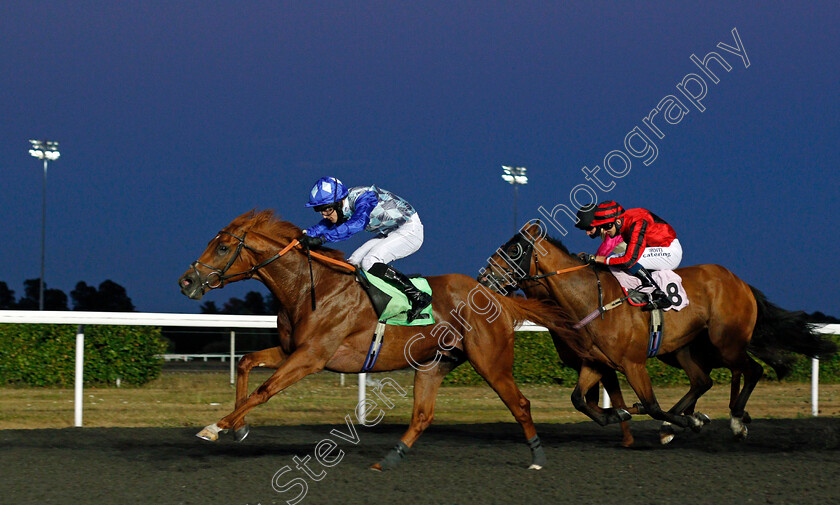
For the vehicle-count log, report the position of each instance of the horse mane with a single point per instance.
(558, 244)
(269, 224)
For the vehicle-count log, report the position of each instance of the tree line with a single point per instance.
(108, 297)
(254, 304)
(112, 297)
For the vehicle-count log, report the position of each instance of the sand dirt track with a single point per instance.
(782, 461)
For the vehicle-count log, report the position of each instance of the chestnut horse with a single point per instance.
(725, 318)
(473, 324)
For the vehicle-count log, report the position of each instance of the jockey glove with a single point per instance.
(309, 242)
(587, 258)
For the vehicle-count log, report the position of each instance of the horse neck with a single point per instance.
(575, 291)
(288, 279)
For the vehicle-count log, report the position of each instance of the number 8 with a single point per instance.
(674, 294)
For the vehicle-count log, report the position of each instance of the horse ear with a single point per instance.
(247, 216)
(243, 219)
(534, 232)
(533, 228)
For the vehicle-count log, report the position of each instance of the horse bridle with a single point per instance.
(518, 252)
(220, 274)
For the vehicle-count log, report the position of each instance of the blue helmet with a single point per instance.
(327, 190)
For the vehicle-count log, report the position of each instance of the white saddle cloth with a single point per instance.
(668, 280)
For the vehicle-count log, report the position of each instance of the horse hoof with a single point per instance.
(242, 433)
(538, 459)
(666, 433)
(623, 415)
(393, 458)
(210, 433)
(695, 423)
(703, 418)
(746, 419)
(537, 453)
(739, 429)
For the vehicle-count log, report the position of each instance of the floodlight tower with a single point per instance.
(515, 176)
(47, 151)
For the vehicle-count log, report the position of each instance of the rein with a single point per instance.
(524, 253)
(327, 259)
(549, 274)
(601, 308)
(595, 313)
(517, 253)
(220, 275)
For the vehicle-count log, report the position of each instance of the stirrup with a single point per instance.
(659, 303)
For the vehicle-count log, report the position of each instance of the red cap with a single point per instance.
(607, 212)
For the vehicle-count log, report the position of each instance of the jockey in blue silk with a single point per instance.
(396, 224)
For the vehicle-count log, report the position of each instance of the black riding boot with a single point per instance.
(657, 299)
(419, 300)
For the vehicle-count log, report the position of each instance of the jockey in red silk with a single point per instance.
(651, 244)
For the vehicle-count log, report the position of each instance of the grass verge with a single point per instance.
(196, 399)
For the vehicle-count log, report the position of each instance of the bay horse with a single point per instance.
(473, 324)
(724, 320)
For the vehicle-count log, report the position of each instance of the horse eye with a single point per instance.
(223, 248)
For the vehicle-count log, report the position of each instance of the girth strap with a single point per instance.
(656, 332)
(375, 345)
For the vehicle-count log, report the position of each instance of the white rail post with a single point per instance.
(232, 364)
(815, 386)
(80, 370)
(362, 379)
(605, 401)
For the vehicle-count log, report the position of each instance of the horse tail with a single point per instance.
(779, 333)
(551, 316)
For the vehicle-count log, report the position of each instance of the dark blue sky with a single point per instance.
(175, 117)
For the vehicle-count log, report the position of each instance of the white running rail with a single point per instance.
(82, 319)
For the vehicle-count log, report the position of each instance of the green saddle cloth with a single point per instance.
(394, 311)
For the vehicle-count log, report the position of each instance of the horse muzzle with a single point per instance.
(191, 284)
(484, 280)
(493, 282)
